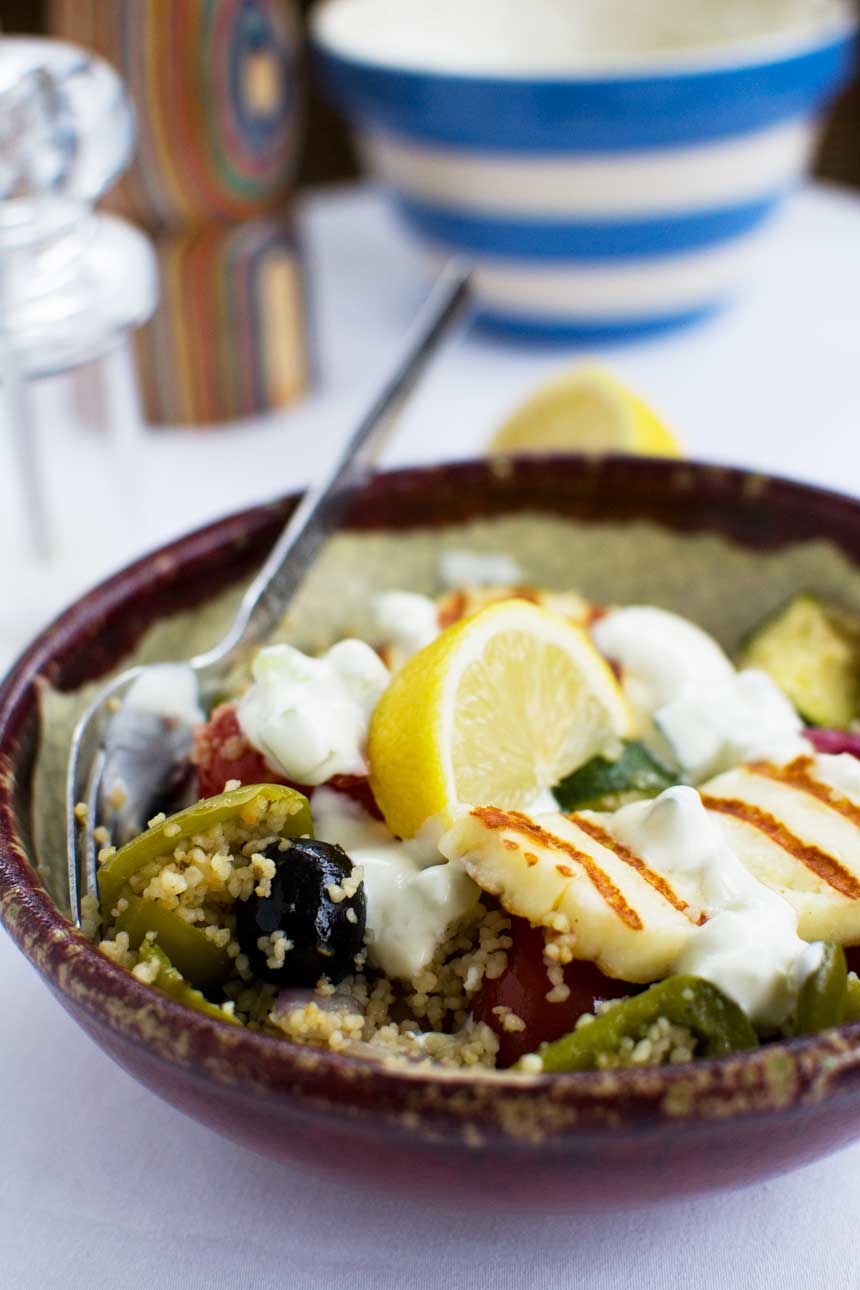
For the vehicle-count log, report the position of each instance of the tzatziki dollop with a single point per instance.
(748, 947)
(309, 717)
(404, 622)
(660, 654)
(741, 719)
(689, 699)
(414, 896)
(479, 569)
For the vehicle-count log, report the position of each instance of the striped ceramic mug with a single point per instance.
(607, 166)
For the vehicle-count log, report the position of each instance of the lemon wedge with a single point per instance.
(498, 708)
(585, 410)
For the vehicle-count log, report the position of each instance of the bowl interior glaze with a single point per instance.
(586, 1140)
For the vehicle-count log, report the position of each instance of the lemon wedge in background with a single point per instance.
(585, 410)
(498, 708)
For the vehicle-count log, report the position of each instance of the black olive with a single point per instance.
(325, 935)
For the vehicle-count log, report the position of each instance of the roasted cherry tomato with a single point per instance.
(221, 753)
(523, 988)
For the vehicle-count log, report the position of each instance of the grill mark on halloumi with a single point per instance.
(824, 866)
(796, 775)
(655, 880)
(495, 818)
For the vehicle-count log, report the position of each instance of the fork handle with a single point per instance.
(322, 506)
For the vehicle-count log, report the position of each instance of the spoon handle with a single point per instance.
(322, 507)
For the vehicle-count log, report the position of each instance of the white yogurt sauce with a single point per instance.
(413, 894)
(310, 716)
(167, 690)
(713, 728)
(676, 676)
(404, 621)
(749, 947)
(661, 655)
(479, 569)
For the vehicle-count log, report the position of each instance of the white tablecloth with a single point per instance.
(102, 1185)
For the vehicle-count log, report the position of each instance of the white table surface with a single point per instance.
(101, 1184)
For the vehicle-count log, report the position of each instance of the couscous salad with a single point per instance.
(511, 828)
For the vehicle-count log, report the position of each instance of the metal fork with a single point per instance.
(109, 734)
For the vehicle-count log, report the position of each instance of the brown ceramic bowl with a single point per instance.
(552, 1142)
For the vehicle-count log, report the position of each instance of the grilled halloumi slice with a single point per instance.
(598, 899)
(796, 827)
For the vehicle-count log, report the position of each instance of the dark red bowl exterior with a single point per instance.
(549, 1142)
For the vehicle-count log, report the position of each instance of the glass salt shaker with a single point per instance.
(73, 281)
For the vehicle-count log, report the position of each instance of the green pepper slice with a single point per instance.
(851, 1008)
(822, 998)
(603, 785)
(114, 874)
(202, 962)
(717, 1021)
(171, 982)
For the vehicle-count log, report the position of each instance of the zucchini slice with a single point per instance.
(603, 785)
(812, 651)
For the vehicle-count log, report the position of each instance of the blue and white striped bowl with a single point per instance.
(620, 197)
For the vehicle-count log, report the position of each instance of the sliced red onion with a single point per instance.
(291, 999)
(833, 741)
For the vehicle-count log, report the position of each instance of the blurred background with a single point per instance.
(193, 313)
(329, 156)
